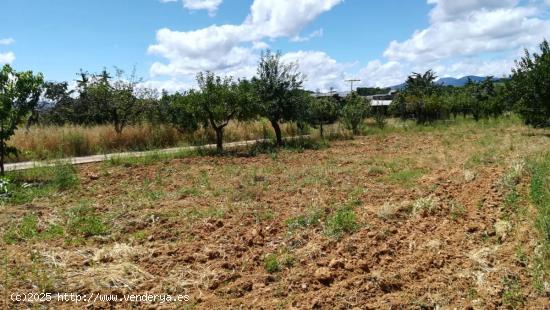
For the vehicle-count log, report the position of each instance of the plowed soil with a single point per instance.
(436, 227)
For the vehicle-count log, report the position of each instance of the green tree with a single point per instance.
(322, 111)
(123, 106)
(60, 105)
(355, 109)
(179, 111)
(278, 89)
(420, 99)
(19, 95)
(530, 87)
(219, 101)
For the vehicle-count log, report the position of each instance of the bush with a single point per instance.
(354, 112)
(271, 263)
(64, 176)
(341, 222)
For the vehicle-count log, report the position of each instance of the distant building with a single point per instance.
(382, 100)
(379, 100)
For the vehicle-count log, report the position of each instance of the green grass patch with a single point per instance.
(342, 221)
(25, 185)
(406, 176)
(540, 195)
(84, 222)
(313, 218)
(271, 263)
(28, 230)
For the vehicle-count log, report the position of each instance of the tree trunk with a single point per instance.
(277, 132)
(2, 158)
(321, 130)
(219, 139)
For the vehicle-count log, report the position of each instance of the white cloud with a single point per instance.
(209, 5)
(321, 71)
(467, 37)
(446, 10)
(471, 27)
(230, 49)
(170, 86)
(315, 34)
(261, 45)
(495, 67)
(7, 58)
(379, 74)
(7, 41)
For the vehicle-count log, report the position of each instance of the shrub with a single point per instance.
(311, 219)
(425, 206)
(271, 263)
(83, 222)
(354, 112)
(322, 111)
(341, 222)
(64, 177)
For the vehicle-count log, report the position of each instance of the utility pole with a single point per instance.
(351, 81)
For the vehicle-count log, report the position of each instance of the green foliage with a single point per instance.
(540, 195)
(341, 222)
(322, 111)
(19, 95)
(311, 219)
(219, 101)
(420, 99)
(277, 87)
(379, 115)
(179, 112)
(512, 298)
(28, 229)
(82, 221)
(355, 109)
(271, 263)
(64, 176)
(426, 101)
(529, 87)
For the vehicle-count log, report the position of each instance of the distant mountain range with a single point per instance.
(450, 81)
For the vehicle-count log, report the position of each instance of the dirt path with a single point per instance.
(99, 158)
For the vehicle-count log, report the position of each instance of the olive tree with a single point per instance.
(220, 100)
(277, 86)
(19, 95)
(530, 87)
(322, 111)
(355, 109)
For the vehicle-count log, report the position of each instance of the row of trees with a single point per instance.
(425, 101)
(275, 93)
(526, 91)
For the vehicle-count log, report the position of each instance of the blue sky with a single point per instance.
(168, 41)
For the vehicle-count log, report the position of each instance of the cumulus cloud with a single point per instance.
(380, 74)
(471, 27)
(321, 71)
(230, 49)
(467, 37)
(209, 5)
(7, 58)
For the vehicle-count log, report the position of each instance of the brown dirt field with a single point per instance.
(434, 228)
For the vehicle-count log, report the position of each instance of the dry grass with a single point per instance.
(48, 142)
